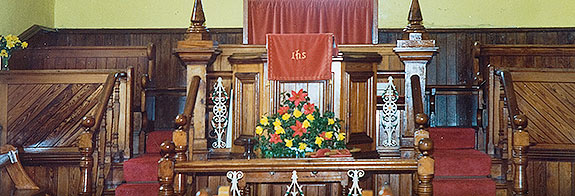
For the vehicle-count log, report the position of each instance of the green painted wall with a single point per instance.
(17, 15)
(392, 13)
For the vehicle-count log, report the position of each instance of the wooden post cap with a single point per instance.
(167, 147)
(181, 120)
(421, 119)
(121, 74)
(425, 145)
(520, 120)
(144, 80)
(88, 121)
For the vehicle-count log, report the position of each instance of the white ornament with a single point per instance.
(235, 176)
(355, 190)
(220, 120)
(390, 114)
(294, 188)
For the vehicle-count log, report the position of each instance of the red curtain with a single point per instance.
(349, 20)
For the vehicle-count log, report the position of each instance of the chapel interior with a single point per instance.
(287, 97)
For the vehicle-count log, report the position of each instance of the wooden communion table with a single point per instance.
(327, 170)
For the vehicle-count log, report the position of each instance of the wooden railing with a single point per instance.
(520, 141)
(422, 143)
(87, 140)
(175, 150)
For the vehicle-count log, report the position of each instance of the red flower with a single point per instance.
(298, 129)
(283, 110)
(309, 108)
(275, 138)
(297, 97)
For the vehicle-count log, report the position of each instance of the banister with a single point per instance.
(520, 141)
(416, 93)
(423, 145)
(104, 97)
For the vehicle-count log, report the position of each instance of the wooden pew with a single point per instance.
(539, 74)
(41, 114)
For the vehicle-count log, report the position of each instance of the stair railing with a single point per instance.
(87, 139)
(422, 143)
(179, 146)
(520, 141)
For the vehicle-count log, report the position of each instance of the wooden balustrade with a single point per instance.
(87, 140)
(520, 141)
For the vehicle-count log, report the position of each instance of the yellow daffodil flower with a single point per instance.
(340, 136)
(330, 121)
(259, 130)
(305, 124)
(277, 123)
(24, 44)
(329, 134)
(289, 143)
(10, 44)
(3, 53)
(297, 113)
(310, 117)
(318, 140)
(279, 130)
(264, 121)
(286, 116)
(302, 146)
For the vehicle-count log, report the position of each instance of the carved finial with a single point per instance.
(421, 119)
(198, 19)
(181, 120)
(520, 121)
(167, 147)
(88, 121)
(415, 21)
(425, 146)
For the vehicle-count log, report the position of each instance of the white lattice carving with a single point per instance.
(390, 115)
(220, 120)
(235, 176)
(294, 188)
(355, 190)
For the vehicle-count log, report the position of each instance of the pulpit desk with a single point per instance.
(279, 170)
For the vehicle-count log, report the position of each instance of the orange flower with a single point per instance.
(298, 97)
(298, 129)
(309, 108)
(283, 110)
(275, 138)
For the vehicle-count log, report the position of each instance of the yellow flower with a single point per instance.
(329, 134)
(318, 140)
(330, 121)
(340, 136)
(24, 44)
(277, 123)
(297, 113)
(279, 130)
(286, 116)
(3, 53)
(264, 121)
(310, 117)
(259, 130)
(305, 124)
(289, 143)
(302, 146)
(10, 44)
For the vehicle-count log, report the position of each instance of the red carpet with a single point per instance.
(459, 168)
(141, 174)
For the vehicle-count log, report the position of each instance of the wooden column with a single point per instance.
(358, 98)
(251, 95)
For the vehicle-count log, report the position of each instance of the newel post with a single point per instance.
(180, 139)
(520, 146)
(166, 169)
(85, 146)
(425, 167)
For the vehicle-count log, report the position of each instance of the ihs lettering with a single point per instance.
(296, 55)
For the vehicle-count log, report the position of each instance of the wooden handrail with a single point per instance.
(422, 143)
(192, 95)
(416, 93)
(86, 140)
(520, 142)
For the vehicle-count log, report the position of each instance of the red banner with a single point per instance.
(298, 57)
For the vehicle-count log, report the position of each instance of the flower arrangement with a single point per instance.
(297, 128)
(8, 44)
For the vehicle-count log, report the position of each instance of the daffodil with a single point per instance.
(318, 140)
(330, 121)
(24, 44)
(289, 143)
(277, 123)
(3, 53)
(259, 130)
(310, 117)
(340, 136)
(297, 113)
(302, 146)
(10, 44)
(328, 135)
(264, 121)
(305, 124)
(286, 116)
(279, 130)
